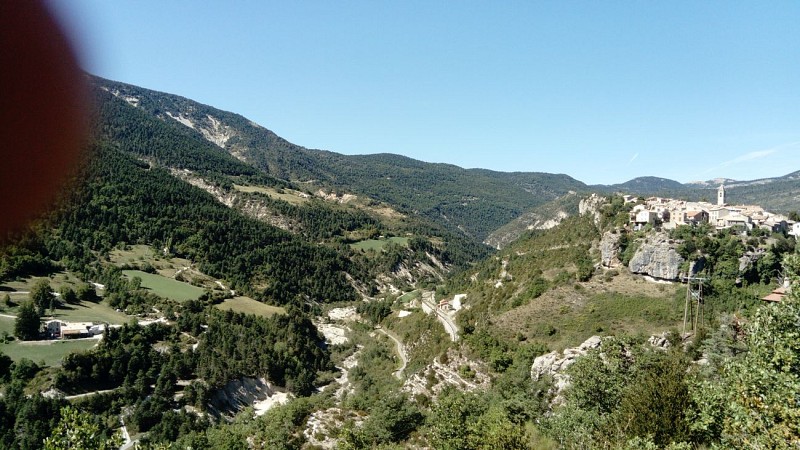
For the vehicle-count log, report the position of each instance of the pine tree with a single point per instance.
(42, 296)
(26, 327)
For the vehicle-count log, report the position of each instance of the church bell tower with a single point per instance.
(721, 195)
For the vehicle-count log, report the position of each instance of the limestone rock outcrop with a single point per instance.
(241, 393)
(555, 364)
(609, 249)
(657, 257)
(749, 259)
(592, 205)
(660, 341)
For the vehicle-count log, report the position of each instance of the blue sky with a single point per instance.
(601, 91)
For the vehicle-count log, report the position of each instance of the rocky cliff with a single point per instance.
(591, 205)
(657, 257)
(239, 394)
(555, 364)
(609, 249)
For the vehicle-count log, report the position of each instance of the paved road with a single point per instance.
(401, 351)
(429, 299)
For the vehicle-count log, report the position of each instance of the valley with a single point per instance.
(248, 292)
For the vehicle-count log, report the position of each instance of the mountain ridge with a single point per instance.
(476, 202)
(460, 199)
(128, 88)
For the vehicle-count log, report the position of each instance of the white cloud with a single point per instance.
(752, 156)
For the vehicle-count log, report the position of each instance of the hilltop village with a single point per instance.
(670, 213)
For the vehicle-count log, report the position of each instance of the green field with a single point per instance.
(57, 281)
(51, 352)
(132, 254)
(139, 255)
(166, 287)
(81, 312)
(91, 312)
(408, 296)
(7, 325)
(560, 324)
(379, 244)
(249, 306)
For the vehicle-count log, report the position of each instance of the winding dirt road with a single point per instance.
(400, 349)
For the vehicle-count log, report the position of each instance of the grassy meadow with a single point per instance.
(133, 254)
(166, 287)
(408, 296)
(89, 312)
(6, 325)
(18, 289)
(379, 244)
(567, 315)
(249, 306)
(49, 352)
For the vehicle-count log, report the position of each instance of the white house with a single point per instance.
(641, 217)
(60, 329)
(736, 219)
(795, 231)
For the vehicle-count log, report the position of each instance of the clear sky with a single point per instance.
(602, 91)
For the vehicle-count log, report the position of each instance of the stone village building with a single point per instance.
(671, 213)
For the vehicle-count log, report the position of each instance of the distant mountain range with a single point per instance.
(777, 194)
(656, 184)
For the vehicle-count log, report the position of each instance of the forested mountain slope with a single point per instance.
(475, 201)
(646, 185)
(541, 217)
(129, 194)
(122, 201)
(166, 143)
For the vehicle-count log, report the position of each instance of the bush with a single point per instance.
(655, 403)
(68, 295)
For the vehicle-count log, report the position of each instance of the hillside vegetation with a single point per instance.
(474, 201)
(263, 295)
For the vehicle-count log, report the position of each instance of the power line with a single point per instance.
(694, 296)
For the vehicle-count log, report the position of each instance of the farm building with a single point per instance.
(66, 330)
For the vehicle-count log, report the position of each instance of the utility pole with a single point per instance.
(694, 296)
